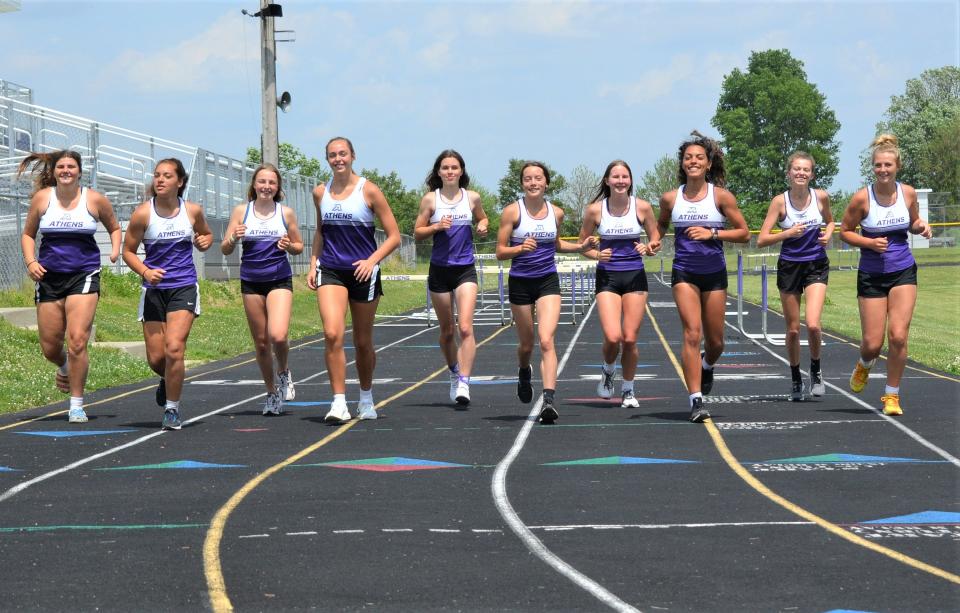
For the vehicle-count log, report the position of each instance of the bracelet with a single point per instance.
(27, 264)
(143, 273)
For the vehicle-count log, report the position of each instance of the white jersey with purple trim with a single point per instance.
(806, 247)
(893, 222)
(453, 247)
(67, 241)
(262, 260)
(539, 262)
(620, 234)
(693, 256)
(168, 244)
(347, 228)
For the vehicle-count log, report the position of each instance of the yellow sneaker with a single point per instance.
(858, 380)
(891, 404)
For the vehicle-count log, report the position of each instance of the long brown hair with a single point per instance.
(252, 192)
(44, 167)
(716, 175)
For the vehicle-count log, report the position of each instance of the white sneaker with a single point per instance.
(817, 387)
(605, 385)
(76, 415)
(274, 404)
(366, 410)
(287, 392)
(462, 395)
(338, 412)
(629, 401)
(454, 382)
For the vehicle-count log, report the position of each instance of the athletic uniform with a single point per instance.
(451, 261)
(534, 274)
(698, 262)
(68, 251)
(263, 265)
(348, 236)
(803, 260)
(624, 272)
(168, 244)
(880, 272)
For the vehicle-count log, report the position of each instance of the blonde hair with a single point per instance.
(801, 155)
(885, 143)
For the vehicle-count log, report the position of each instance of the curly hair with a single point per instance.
(716, 174)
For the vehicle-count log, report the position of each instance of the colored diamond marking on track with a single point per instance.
(845, 458)
(923, 517)
(390, 464)
(614, 400)
(616, 459)
(7, 469)
(72, 433)
(179, 464)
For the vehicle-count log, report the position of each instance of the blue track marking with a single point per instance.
(178, 464)
(7, 469)
(611, 460)
(72, 433)
(389, 464)
(923, 517)
(844, 457)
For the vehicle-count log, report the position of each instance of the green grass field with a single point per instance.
(26, 378)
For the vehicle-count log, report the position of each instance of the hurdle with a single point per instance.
(779, 339)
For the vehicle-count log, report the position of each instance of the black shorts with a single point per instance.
(156, 303)
(794, 277)
(263, 288)
(526, 290)
(705, 283)
(444, 279)
(368, 291)
(621, 281)
(58, 285)
(878, 285)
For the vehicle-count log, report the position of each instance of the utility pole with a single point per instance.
(269, 138)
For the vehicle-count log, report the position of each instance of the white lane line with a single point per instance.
(254, 536)
(13, 491)
(915, 436)
(396, 530)
(444, 530)
(305, 533)
(348, 531)
(502, 502)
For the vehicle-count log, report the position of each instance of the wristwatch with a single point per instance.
(716, 234)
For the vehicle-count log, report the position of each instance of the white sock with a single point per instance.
(695, 395)
(627, 386)
(703, 362)
(172, 404)
(339, 398)
(889, 389)
(366, 395)
(869, 364)
(76, 402)
(610, 368)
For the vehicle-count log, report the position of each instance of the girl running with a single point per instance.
(268, 232)
(621, 285)
(529, 236)
(887, 279)
(345, 271)
(67, 269)
(806, 225)
(169, 228)
(447, 213)
(699, 210)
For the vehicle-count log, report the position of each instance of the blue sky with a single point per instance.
(565, 82)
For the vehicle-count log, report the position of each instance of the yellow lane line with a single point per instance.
(757, 485)
(212, 568)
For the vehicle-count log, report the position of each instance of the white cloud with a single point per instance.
(655, 83)
(545, 17)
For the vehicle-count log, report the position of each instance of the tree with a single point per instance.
(489, 200)
(295, 161)
(579, 192)
(763, 116)
(404, 203)
(658, 181)
(942, 165)
(509, 189)
(921, 118)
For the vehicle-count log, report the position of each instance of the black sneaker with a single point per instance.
(697, 411)
(548, 414)
(706, 379)
(162, 393)
(524, 386)
(796, 391)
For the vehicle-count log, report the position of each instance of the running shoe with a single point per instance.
(62, 382)
(706, 379)
(817, 388)
(605, 385)
(161, 395)
(524, 385)
(698, 412)
(454, 382)
(858, 380)
(628, 400)
(891, 404)
(338, 412)
(548, 414)
(274, 404)
(287, 392)
(366, 410)
(796, 391)
(171, 420)
(463, 392)
(76, 415)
